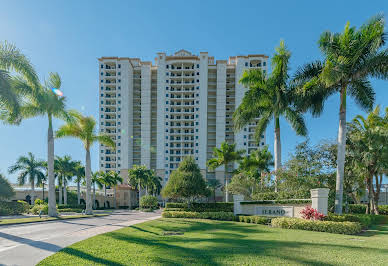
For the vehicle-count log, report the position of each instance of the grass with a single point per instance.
(44, 219)
(209, 242)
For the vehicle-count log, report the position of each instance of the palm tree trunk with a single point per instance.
(78, 193)
(32, 191)
(278, 150)
(60, 191)
(43, 190)
(88, 184)
(52, 204)
(115, 202)
(94, 196)
(226, 189)
(64, 191)
(105, 196)
(339, 186)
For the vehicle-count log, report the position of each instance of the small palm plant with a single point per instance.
(115, 180)
(29, 168)
(225, 155)
(84, 128)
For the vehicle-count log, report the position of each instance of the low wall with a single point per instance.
(287, 208)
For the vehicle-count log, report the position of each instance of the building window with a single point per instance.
(166, 94)
(102, 95)
(197, 80)
(102, 66)
(245, 144)
(119, 73)
(119, 88)
(197, 65)
(102, 73)
(119, 109)
(102, 88)
(102, 81)
(119, 66)
(119, 80)
(119, 94)
(264, 63)
(166, 88)
(166, 80)
(246, 64)
(196, 123)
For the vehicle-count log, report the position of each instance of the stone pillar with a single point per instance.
(236, 204)
(319, 199)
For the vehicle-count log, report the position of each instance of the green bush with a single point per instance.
(356, 208)
(282, 195)
(71, 206)
(38, 202)
(348, 228)
(202, 207)
(285, 201)
(364, 220)
(36, 209)
(148, 202)
(14, 207)
(254, 219)
(383, 209)
(225, 216)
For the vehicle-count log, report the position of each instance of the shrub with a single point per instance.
(39, 208)
(285, 201)
(225, 216)
(39, 202)
(309, 213)
(253, 219)
(148, 202)
(202, 207)
(383, 209)
(14, 208)
(348, 228)
(70, 210)
(364, 220)
(357, 208)
(71, 206)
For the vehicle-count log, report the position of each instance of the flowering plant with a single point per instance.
(309, 213)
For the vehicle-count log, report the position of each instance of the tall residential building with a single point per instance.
(180, 106)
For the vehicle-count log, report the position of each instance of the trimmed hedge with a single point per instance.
(361, 209)
(286, 201)
(364, 220)
(225, 216)
(254, 219)
(148, 202)
(13, 207)
(383, 209)
(202, 207)
(71, 206)
(347, 228)
(70, 210)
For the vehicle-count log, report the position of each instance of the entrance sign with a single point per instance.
(287, 211)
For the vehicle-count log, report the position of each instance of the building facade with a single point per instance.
(182, 105)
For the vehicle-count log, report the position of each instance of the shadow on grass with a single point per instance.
(89, 257)
(376, 230)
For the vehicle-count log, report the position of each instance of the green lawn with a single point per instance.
(207, 242)
(44, 219)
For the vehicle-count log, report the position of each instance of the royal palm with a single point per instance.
(29, 168)
(46, 103)
(350, 58)
(79, 173)
(269, 99)
(225, 155)
(84, 128)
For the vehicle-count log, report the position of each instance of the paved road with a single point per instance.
(27, 244)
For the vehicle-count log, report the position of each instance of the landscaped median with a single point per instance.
(349, 224)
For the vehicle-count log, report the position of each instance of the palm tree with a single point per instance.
(95, 179)
(256, 164)
(350, 58)
(105, 180)
(115, 180)
(225, 155)
(213, 184)
(270, 98)
(31, 168)
(65, 169)
(79, 173)
(11, 59)
(154, 183)
(46, 103)
(138, 177)
(84, 128)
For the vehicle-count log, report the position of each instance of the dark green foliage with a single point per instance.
(71, 206)
(202, 207)
(289, 201)
(42, 208)
(6, 190)
(356, 208)
(71, 210)
(364, 220)
(186, 182)
(347, 228)
(149, 202)
(14, 208)
(225, 216)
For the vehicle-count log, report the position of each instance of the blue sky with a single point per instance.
(68, 36)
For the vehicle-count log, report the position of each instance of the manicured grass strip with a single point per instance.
(209, 242)
(44, 219)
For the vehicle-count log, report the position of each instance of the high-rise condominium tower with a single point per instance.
(180, 106)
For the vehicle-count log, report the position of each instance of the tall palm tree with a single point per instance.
(115, 180)
(225, 155)
(213, 184)
(154, 183)
(47, 103)
(105, 180)
(95, 179)
(350, 58)
(12, 59)
(84, 128)
(31, 168)
(79, 173)
(270, 98)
